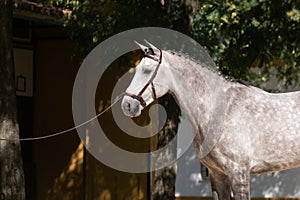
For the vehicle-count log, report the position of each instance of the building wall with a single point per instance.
(63, 168)
(54, 76)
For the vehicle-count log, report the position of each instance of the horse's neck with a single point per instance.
(197, 90)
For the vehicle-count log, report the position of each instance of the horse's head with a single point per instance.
(149, 82)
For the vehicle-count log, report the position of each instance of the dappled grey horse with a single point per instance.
(239, 129)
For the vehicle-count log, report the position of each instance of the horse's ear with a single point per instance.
(151, 45)
(142, 47)
(155, 49)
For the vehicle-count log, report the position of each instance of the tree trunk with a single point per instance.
(164, 180)
(12, 184)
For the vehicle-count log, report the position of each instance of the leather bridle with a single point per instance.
(150, 81)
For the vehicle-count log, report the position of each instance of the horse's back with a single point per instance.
(264, 128)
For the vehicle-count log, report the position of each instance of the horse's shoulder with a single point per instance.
(239, 97)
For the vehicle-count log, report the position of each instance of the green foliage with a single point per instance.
(89, 22)
(238, 34)
(93, 21)
(241, 34)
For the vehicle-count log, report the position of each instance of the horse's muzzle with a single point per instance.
(131, 107)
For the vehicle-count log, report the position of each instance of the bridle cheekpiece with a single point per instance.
(150, 81)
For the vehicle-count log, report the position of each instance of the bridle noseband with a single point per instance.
(150, 81)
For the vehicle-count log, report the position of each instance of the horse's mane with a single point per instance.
(209, 66)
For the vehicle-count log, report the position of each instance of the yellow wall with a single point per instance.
(64, 170)
(54, 76)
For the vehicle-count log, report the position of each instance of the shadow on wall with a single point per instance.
(86, 178)
(189, 181)
(280, 184)
(68, 185)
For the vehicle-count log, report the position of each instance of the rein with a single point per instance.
(150, 82)
(117, 99)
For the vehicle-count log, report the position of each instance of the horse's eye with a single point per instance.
(146, 71)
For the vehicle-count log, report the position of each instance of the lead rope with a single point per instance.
(117, 99)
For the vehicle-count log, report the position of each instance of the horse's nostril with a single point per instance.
(127, 106)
